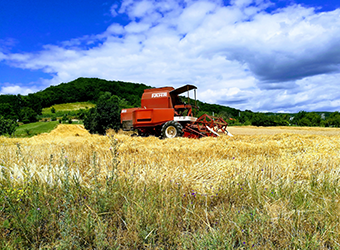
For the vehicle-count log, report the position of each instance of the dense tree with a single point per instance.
(334, 119)
(246, 117)
(64, 118)
(7, 111)
(104, 116)
(304, 118)
(35, 102)
(304, 122)
(298, 117)
(81, 114)
(28, 115)
(313, 118)
(7, 126)
(281, 120)
(260, 119)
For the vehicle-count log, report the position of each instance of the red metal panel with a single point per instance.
(152, 117)
(126, 114)
(157, 98)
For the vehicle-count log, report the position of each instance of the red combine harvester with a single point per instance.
(163, 114)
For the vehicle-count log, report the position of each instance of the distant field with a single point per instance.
(69, 107)
(35, 128)
(252, 130)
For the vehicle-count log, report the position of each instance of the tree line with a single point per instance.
(302, 118)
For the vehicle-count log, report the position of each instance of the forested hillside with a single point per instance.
(18, 107)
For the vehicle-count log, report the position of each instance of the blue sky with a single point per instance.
(278, 56)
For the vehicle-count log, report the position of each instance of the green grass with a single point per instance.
(123, 214)
(65, 107)
(35, 128)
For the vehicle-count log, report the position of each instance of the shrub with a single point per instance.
(28, 115)
(104, 116)
(7, 126)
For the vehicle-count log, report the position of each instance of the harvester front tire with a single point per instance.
(171, 129)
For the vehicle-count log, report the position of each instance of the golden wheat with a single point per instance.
(202, 164)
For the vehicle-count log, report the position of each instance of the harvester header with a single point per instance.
(164, 114)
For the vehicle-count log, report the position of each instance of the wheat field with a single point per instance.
(262, 153)
(263, 188)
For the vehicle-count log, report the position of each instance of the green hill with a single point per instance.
(83, 90)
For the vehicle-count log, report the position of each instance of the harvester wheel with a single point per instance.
(171, 129)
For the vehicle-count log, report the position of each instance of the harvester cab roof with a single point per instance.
(166, 97)
(180, 90)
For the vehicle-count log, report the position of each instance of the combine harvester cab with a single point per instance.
(163, 114)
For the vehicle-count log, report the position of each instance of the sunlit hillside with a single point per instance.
(69, 107)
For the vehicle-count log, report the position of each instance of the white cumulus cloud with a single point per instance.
(238, 55)
(16, 89)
